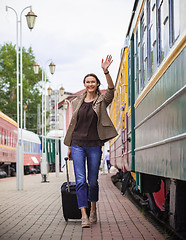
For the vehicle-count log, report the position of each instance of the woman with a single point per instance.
(89, 128)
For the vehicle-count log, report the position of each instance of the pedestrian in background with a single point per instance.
(89, 129)
(107, 160)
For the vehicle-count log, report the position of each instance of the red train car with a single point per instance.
(8, 140)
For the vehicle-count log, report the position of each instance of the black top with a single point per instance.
(85, 132)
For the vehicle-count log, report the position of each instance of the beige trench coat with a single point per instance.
(105, 127)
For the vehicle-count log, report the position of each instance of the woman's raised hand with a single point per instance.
(106, 63)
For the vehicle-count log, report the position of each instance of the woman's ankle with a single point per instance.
(93, 207)
(84, 213)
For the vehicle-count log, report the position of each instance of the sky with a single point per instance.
(75, 34)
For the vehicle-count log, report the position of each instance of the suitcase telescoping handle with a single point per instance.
(68, 183)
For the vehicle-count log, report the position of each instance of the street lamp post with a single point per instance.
(19, 148)
(43, 154)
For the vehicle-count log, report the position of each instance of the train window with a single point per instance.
(160, 46)
(33, 147)
(153, 37)
(2, 136)
(24, 146)
(38, 149)
(176, 19)
(171, 25)
(5, 137)
(165, 27)
(174, 24)
(142, 48)
(28, 147)
(149, 52)
(9, 139)
(137, 63)
(14, 141)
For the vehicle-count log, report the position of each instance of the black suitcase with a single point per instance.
(69, 199)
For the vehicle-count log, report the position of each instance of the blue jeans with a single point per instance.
(93, 156)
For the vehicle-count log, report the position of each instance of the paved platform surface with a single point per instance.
(36, 213)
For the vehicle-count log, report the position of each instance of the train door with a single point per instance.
(124, 113)
(124, 139)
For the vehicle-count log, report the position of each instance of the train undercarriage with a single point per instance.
(163, 198)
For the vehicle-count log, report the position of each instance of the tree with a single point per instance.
(8, 82)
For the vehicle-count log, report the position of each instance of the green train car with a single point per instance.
(50, 152)
(156, 116)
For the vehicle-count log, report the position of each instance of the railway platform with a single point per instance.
(36, 213)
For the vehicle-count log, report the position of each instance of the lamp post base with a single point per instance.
(57, 165)
(19, 167)
(44, 178)
(44, 168)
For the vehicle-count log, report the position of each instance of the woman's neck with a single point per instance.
(90, 97)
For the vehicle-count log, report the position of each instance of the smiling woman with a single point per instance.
(89, 129)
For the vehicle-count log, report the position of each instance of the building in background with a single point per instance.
(55, 120)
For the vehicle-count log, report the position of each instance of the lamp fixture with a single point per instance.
(52, 67)
(31, 17)
(36, 68)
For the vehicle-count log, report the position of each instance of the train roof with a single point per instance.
(8, 119)
(132, 16)
(29, 136)
(55, 133)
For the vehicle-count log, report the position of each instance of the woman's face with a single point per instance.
(91, 84)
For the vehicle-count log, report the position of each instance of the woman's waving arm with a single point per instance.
(105, 64)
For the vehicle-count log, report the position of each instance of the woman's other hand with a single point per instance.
(69, 154)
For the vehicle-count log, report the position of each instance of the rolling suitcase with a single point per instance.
(69, 199)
